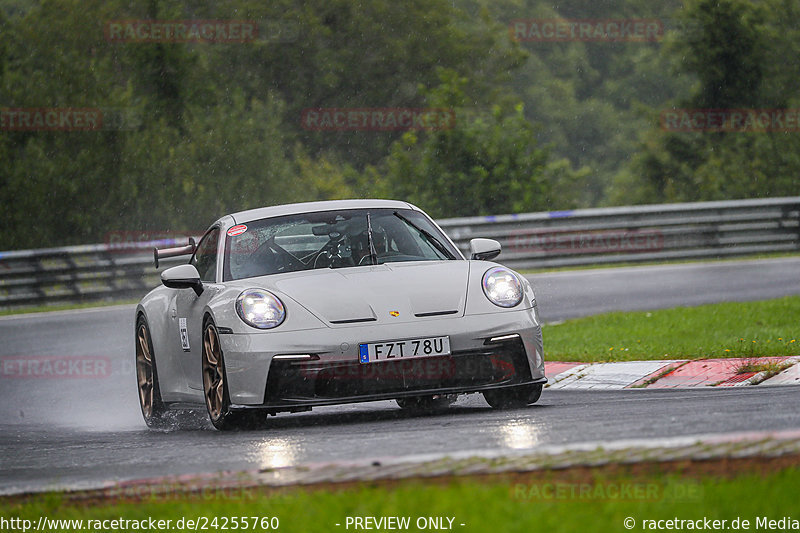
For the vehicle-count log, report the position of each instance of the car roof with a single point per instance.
(311, 207)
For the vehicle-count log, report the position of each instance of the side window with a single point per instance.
(205, 258)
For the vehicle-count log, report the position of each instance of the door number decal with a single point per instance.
(184, 334)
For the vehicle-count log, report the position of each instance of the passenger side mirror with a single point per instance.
(483, 249)
(182, 277)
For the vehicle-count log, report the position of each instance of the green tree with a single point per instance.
(733, 48)
(485, 164)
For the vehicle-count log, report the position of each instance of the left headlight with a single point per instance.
(502, 287)
(260, 309)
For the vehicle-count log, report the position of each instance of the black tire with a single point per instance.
(513, 397)
(215, 388)
(426, 403)
(153, 408)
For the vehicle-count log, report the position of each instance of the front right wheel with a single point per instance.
(513, 397)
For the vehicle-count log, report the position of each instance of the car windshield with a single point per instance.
(333, 239)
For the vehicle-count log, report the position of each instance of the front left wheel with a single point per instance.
(215, 387)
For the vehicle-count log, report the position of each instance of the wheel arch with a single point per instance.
(151, 311)
(208, 316)
(154, 308)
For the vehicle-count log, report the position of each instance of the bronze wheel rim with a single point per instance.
(144, 371)
(213, 376)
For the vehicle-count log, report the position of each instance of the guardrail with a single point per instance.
(77, 273)
(638, 233)
(530, 240)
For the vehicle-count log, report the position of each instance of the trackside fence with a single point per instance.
(705, 230)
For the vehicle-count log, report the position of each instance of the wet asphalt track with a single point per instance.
(84, 432)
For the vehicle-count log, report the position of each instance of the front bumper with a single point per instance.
(335, 376)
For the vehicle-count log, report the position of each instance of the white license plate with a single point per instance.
(406, 349)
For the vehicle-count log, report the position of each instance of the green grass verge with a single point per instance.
(599, 503)
(751, 329)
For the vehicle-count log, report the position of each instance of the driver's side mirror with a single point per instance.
(483, 249)
(182, 277)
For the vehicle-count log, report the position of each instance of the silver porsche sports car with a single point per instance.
(289, 307)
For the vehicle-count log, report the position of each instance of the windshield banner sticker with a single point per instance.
(237, 230)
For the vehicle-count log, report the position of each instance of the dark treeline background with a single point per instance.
(214, 128)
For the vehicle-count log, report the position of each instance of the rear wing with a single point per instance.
(164, 253)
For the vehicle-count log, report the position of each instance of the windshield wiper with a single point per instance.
(431, 239)
(373, 254)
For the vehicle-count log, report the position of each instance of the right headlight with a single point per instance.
(502, 287)
(260, 309)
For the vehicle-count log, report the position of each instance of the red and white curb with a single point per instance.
(671, 374)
